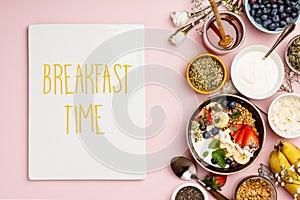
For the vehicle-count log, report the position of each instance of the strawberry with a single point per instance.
(250, 137)
(205, 115)
(215, 181)
(235, 130)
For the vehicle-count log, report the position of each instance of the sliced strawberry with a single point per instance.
(235, 130)
(250, 138)
(237, 133)
(239, 138)
(205, 115)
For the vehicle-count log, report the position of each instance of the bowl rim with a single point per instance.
(286, 52)
(218, 51)
(280, 67)
(260, 27)
(269, 115)
(220, 62)
(263, 141)
(189, 184)
(239, 183)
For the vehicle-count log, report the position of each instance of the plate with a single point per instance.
(259, 26)
(254, 77)
(202, 149)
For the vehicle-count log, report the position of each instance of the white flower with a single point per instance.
(180, 18)
(177, 38)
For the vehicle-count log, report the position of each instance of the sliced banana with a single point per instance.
(220, 119)
(230, 151)
(241, 158)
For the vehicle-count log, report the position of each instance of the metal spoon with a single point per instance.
(185, 169)
(288, 29)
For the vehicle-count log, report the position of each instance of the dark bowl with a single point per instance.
(195, 148)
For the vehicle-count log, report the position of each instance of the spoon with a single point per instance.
(226, 40)
(185, 169)
(288, 29)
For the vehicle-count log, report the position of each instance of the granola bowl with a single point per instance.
(206, 73)
(226, 134)
(255, 186)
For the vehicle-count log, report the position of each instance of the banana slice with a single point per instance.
(241, 158)
(220, 119)
(230, 151)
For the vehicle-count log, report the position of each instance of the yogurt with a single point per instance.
(255, 77)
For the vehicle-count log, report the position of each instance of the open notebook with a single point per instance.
(86, 102)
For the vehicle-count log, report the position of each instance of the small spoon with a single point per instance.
(185, 169)
(288, 29)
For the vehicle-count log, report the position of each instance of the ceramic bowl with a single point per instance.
(287, 52)
(255, 77)
(192, 84)
(259, 26)
(202, 148)
(194, 185)
(233, 26)
(283, 115)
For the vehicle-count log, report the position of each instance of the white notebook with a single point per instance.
(86, 102)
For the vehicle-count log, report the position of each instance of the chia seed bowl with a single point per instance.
(206, 73)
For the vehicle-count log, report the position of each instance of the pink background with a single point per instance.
(15, 16)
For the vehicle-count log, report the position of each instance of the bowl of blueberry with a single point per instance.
(225, 134)
(272, 16)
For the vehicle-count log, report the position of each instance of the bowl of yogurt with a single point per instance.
(255, 77)
(283, 115)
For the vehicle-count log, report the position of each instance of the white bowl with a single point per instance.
(286, 54)
(254, 77)
(259, 26)
(190, 184)
(281, 111)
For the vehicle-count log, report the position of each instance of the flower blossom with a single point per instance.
(180, 18)
(177, 38)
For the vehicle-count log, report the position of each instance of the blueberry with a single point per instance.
(268, 5)
(258, 20)
(261, 6)
(232, 105)
(288, 20)
(265, 2)
(294, 15)
(214, 131)
(213, 161)
(283, 16)
(280, 2)
(266, 23)
(281, 9)
(259, 1)
(296, 8)
(255, 6)
(282, 24)
(206, 134)
(274, 11)
(264, 17)
(224, 103)
(288, 2)
(252, 13)
(275, 18)
(288, 10)
(274, 5)
(272, 27)
(258, 13)
(265, 10)
(228, 161)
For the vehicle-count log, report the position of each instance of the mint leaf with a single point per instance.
(219, 155)
(234, 128)
(205, 153)
(214, 144)
(236, 114)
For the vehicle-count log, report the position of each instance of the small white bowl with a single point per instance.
(286, 54)
(254, 77)
(190, 184)
(272, 125)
